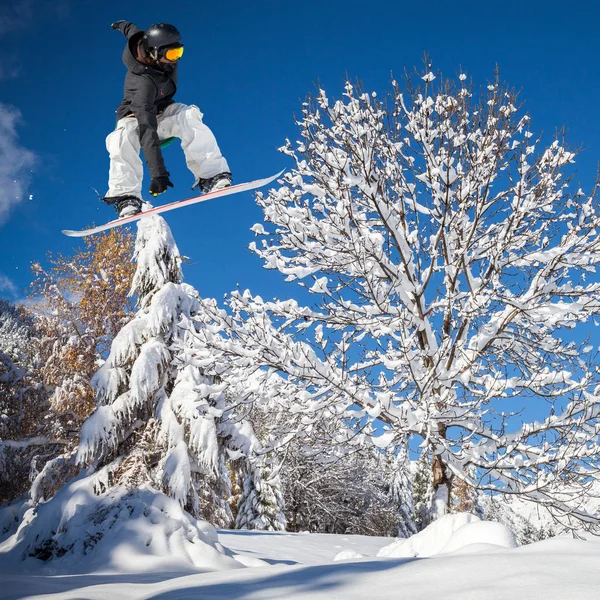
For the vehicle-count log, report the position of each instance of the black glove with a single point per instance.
(116, 24)
(158, 185)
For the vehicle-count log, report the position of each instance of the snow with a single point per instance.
(299, 548)
(554, 570)
(120, 530)
(449, 534)
(482, 533)
(469, 558)
(348, 555)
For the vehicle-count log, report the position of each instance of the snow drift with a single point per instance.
(83, 530)
(451, 533)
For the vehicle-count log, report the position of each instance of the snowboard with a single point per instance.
(233, 189)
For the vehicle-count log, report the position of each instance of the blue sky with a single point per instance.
(248, 66)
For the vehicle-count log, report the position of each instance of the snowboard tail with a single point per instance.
(233, 189)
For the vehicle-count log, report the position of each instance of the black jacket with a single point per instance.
(148, 90)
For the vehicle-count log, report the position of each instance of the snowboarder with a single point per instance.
(149, 115)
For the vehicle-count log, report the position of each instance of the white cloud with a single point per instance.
(7, 286)
(15, 162)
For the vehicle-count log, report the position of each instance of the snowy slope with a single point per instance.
(555, 569)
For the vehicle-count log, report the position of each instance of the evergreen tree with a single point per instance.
(401, 492)
(26, 442)
(162, 416)
(16, 363)
(162, 427)
(502, 510)
(261, 503)
(422, 492)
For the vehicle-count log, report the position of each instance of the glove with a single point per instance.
(116, 24)
(158, 185)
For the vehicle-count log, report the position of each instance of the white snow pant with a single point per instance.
(202, 154)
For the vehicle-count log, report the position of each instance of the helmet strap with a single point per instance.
(147, 51)
(153, 53)
(142, 49)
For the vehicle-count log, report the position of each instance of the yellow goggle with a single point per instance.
(173, 54)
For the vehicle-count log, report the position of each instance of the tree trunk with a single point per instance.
(442, 486)
(442, 483)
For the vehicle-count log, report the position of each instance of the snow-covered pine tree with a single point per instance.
(449, 261)
(258, 500)
(261, 502)
(15, 365)
(526, 527)
(26, 440)
(422, 491)
(155, 445)
(401, 491)
(161, 418)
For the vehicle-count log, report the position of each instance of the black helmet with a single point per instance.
(159, 38)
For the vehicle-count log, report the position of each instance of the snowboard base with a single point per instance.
(233, 189)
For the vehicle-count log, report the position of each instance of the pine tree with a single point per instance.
(401, 492)
(162, 416)
(502, 510)
(423, 492)
(16, 362)
(25, 435)
(261, 503)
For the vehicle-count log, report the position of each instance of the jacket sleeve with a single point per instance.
(144, 109)
(127, 29)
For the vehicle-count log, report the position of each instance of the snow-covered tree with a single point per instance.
(162, 418)
(401, 492)
(154, 450)
(78, 305)
(528, 528)
(326, 491)
(452, 268)
(258, 501)
(260, 505)
(324, 483)
(15, 364)
(25, 440)
(422, 491)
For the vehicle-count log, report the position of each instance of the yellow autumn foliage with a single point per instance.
(79, 305)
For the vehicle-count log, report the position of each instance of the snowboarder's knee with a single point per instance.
(193, 114)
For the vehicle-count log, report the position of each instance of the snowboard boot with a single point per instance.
(124, 205)
(212, 184)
